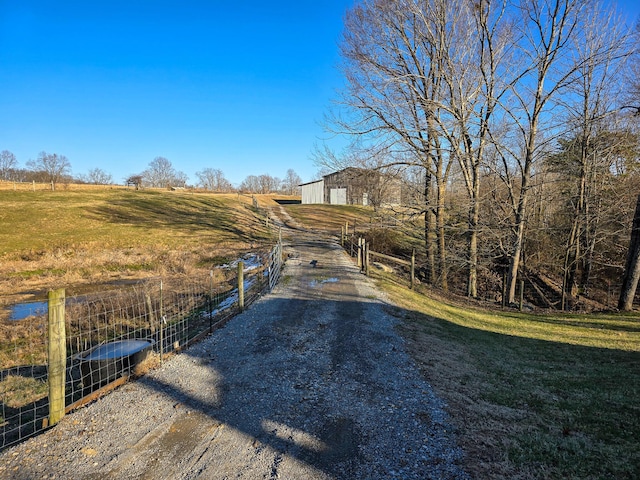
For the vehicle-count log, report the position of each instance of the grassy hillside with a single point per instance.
(93, 235)
(330, 218)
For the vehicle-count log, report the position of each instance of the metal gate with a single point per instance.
(275, 264)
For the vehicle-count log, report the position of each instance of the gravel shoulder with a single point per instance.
(311, 382)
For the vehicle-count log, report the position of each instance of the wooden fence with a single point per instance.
(358, 247)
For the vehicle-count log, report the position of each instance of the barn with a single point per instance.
(353, 186)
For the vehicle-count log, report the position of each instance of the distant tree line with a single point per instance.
(55, 168)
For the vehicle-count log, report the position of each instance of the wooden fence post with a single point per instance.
(413, 267)
(57, 355)
(342, 236)
(152, 320)
(241, 285)
(366, 259)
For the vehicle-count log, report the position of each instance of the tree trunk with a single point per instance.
(474, 217)
(632, 268)
(440, 231)
(428, 228)
(518, 242)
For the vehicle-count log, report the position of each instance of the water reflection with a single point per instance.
(20, 311)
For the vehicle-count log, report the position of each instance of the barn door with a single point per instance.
(338, 196)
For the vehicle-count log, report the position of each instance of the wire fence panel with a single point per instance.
(23, 379)
(110, 335)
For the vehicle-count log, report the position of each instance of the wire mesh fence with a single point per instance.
(110, 336)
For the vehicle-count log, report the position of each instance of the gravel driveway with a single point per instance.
(311, 382)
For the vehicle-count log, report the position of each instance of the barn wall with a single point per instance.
(313, 192)
(353, 186)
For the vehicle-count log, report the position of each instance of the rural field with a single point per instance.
(84, 237)
(531, 395)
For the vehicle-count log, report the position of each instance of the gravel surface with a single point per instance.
(311, 382)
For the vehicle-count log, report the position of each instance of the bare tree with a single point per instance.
(393, 55)
(7, 163)
(269, 184)
(291, 182)
(547, 32)
(162, 174)
(213, 179)
(54, 166)
(250, 184)
(591, 145)
(97, 176)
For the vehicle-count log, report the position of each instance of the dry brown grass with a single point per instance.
(330, 218)
(92, 235)
(16, 391)
(150, 363)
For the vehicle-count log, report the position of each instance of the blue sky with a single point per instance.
(240, 86)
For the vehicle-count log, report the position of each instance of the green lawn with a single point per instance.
(532, 396)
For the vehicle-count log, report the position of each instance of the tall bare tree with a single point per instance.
(591, 102)
(162, 174)
(54, 166)
(97, 176)
(546, 32)
(7, 163)
(396, 57)
(291, 182)
(632, 267)
(213, 179)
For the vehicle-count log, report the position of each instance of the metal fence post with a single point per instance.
(210, 300)
(241, 285)
(57, 355)
(161, 324)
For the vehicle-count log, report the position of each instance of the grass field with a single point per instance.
(89, 236)
(553, 396)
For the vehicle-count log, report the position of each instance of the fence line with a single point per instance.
(160, 316)
(530, 289)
